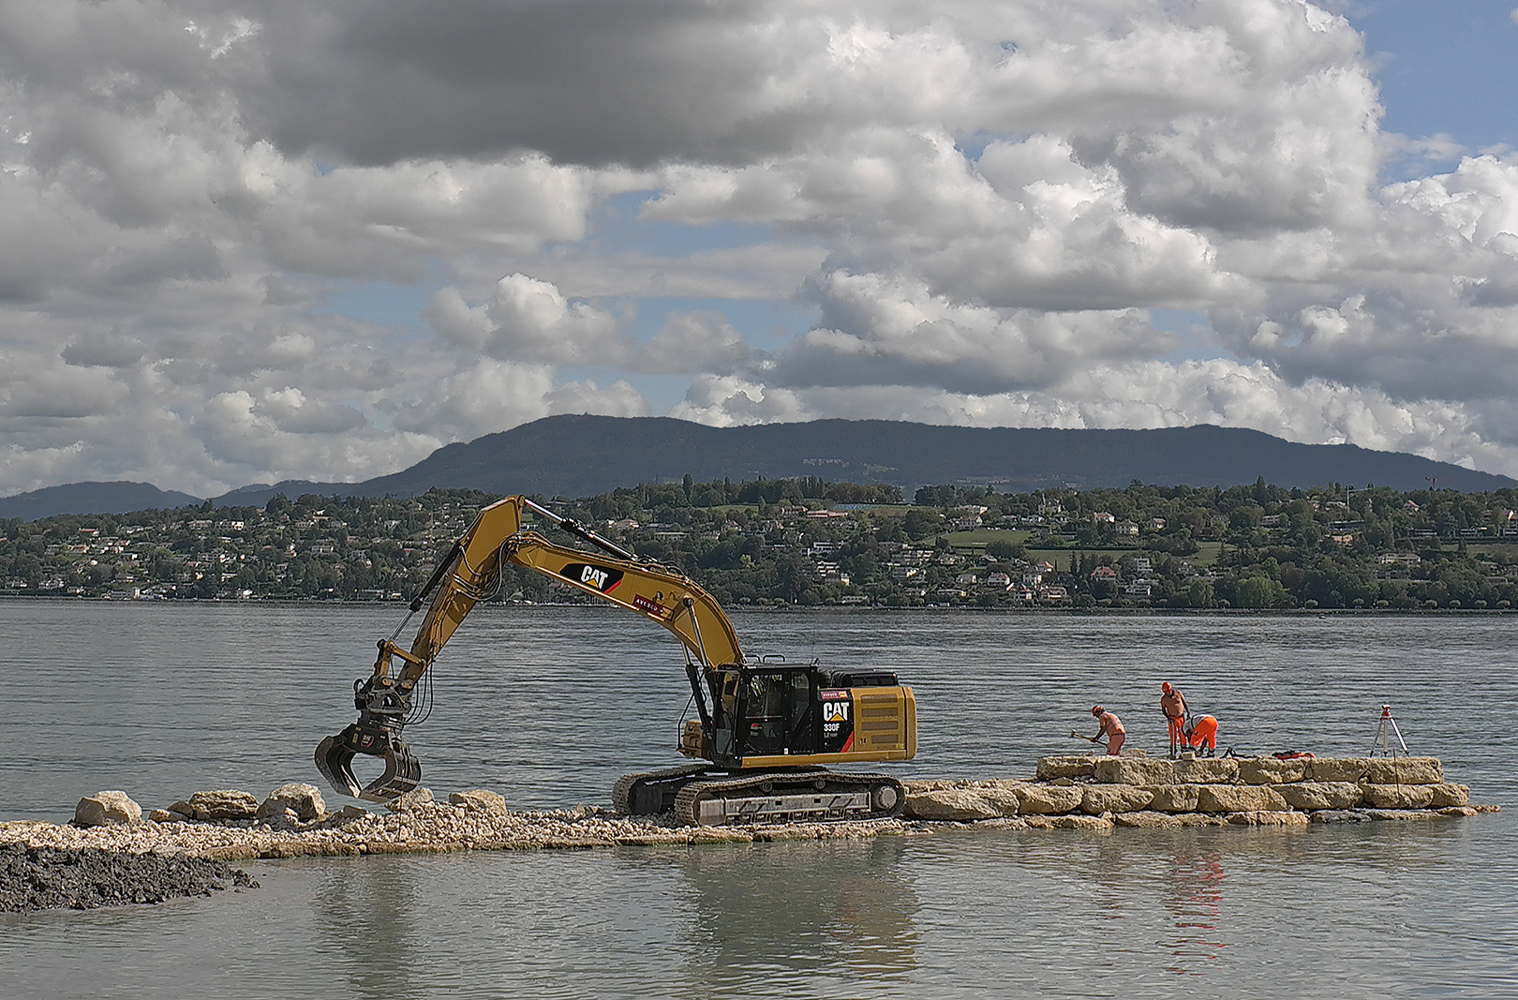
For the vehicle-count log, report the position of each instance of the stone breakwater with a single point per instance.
(234, 825)
(1067, 792)
(1103, 792)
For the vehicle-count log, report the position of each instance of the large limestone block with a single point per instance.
(1337, 768)
(1078, 821)
(305, 801)
(952, 804)
(1399, 796)
(1098, 799)
(1270, 771)
(1340, 816)
(223, 804)
(1015, 784)
(480, 800)
(1310, 796)
(1238, 798)
(1007, 801)
(1447, 795)
(931, 785)
(1147, 819)
(108, 808)
(1174, 798)
(1205, 771)
(1268, 818)
(1404, 771)
(1066, 766)
(1134, 771)
(1044, 800)
(1403, 814)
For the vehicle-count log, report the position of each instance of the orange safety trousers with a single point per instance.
(1177, 730)
(1205, 733)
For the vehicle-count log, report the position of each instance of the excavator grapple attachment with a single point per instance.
(334, 759)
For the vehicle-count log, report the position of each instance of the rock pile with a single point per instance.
(228, 825)
(43, 878)
(1093, 792)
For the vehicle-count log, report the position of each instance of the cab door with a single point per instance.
(728, 716)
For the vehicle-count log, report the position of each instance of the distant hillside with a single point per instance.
(91, 498)
(578, 456)
(259, 494)
(585, 455)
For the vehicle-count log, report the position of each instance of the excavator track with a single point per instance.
(645, 793)
(789, 796)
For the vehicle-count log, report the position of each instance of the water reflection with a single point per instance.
(367, 909)
(1193, 897)
(805, 912)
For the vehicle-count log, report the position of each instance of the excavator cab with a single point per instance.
(763, 711)
(770, 715)
(779, 712)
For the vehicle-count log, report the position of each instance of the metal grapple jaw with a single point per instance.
(377, 733)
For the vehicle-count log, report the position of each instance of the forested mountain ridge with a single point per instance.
(582, 455)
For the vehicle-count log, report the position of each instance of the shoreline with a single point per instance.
(1037, 609)
(1067, 792)
(111, 854)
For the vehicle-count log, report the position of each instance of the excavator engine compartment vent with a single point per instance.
(865, 678)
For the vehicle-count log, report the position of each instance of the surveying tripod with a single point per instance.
(1383, 735)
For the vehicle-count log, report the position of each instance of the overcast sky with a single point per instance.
(250, 241)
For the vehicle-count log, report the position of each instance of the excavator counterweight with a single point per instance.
(767, 731)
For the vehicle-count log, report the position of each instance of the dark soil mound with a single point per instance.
(44, 878)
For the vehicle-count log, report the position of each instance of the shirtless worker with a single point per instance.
(1111, 727)
(1173, 704)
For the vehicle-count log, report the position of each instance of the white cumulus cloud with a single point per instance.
(249, 243)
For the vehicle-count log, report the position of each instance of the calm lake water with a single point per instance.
(549, 705)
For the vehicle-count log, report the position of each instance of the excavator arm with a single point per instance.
(468, 574)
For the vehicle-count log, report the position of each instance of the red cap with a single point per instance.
(1097, 710)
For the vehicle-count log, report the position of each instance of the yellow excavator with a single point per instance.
(766, 732)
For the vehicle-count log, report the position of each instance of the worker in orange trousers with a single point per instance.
(1173, 704)
(1110, 726)
(1203, 732)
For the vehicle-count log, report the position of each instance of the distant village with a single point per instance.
(811, 542)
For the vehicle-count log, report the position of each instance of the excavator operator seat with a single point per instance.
(778, 713)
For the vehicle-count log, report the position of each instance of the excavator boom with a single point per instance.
(473, 565)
